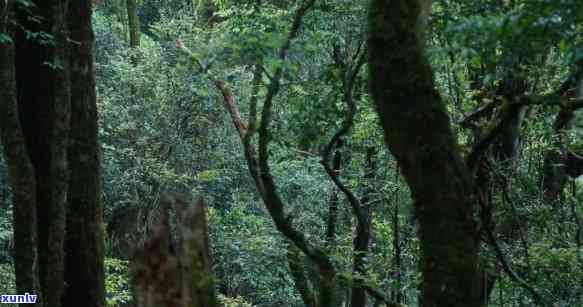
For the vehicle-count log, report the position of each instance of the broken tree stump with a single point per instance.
(168, 274)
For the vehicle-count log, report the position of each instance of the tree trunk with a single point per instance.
(418, 133)
(397, 293)
(185, 278)
(21, 173)
(84, 273)
(362, 238)
(559, 162)
(133, 23)
(43, 91)
(296, 267)
(333, 202)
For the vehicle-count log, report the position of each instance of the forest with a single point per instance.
(318, 153)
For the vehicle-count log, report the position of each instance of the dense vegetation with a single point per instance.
(349, 153)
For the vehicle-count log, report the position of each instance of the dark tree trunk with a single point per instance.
(21, 173)
(333, 203)
(417, 131)
(84, 273)
(43, 95)
(362, 238)
(559, 162)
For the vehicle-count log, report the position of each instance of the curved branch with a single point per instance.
(350, 78)
(259, 165)
(270, 196)
(538, 299)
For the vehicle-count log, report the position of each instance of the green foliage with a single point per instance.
(248, 253)
(5, 39)
(163, 127)
(6, 230)
(233, 301)
(8, 285)
(117, 286)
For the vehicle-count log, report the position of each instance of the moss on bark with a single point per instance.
(418, 133)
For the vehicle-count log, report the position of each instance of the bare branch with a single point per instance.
(253, 104)
(348, 86)
(229, 102)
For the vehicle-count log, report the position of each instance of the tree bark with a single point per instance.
(84, 272)
(296, 268)
(418, 133)
(333, 202)
(362, 238)
(21, 174)
(559, 162)
(133, 23)
(164, 277)
(42, 78)
(259, 169)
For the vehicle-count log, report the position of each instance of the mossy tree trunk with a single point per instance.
(21, 174)
(363, 233)
(418, 133)
(84, 273)
(295, 260)
(39, 75)
(559, 162)
(331, 223)
(42, 81)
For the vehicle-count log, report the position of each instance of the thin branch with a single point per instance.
(482, 145)
(303, 152)
(253, 104)
(350, 78)
(231, 106)
(553, 99)
(478, 113)
(233, 109)
(259, 166)
(272, 199)
(538, 299)
(360, 48)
